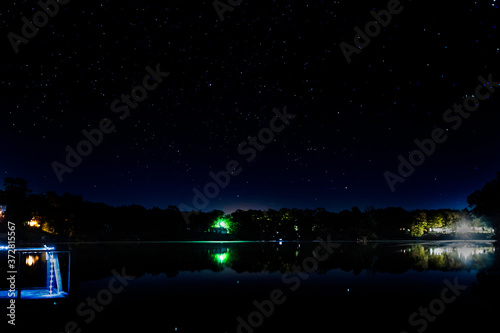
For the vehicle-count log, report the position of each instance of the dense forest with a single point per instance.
(69, 217)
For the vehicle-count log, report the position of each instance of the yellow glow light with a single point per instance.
(31, 260)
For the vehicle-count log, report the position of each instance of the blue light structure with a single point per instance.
(52, 286)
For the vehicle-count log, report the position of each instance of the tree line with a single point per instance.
(69, 216)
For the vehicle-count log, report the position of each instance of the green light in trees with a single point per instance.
(224, 223)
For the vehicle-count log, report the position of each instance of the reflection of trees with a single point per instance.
(273, 257)
(449, 257)
(487, 287)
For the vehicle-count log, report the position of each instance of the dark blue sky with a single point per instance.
(352, 120)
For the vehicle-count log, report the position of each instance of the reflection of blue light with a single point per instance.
(41, 249)
(34, 294)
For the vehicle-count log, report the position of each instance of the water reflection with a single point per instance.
(464, 252)
(375, 257)
(220, 255)
(449, 256)
(197, 279)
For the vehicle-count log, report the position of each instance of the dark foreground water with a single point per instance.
(439, 286)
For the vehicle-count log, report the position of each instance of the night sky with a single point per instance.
(352, 120)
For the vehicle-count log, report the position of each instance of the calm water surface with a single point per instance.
(230, 287)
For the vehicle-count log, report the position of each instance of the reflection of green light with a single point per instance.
(221, 258)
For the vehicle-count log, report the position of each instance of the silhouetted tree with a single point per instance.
(16, 187)
(15, 195)
(485, 203)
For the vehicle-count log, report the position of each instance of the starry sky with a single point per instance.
(352, 120)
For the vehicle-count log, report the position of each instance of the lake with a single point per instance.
(391, 286)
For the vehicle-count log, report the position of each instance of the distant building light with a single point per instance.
(33, 223)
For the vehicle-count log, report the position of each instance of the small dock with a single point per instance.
(40, 273)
